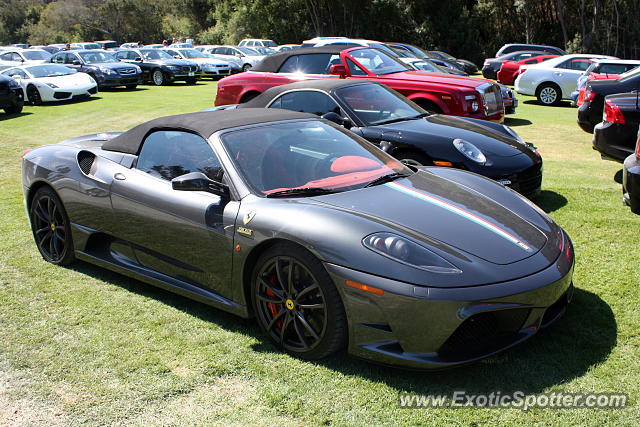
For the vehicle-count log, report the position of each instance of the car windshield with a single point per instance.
(427, 66)
(405, 53)
(444, 55)
(193, 53)
(36, 55)
(633, 73)
(97, 57)
(311, 155)
(151, 54)
(374, 104)
(378, 62)
(247, 51)
(264, 50)
(49, 70)
(385, 49)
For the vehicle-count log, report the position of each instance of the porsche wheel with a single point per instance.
(297, 304)
(51, 227)
(410, 158)
(159, 78)
(33, 95)
(549, 94)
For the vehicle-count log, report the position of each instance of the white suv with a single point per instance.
(258, 42)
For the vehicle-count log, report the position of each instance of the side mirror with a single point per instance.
(197, 181)
(137, 59)
(75, 62)
(176, 56)
(335, 118)
(338, 70)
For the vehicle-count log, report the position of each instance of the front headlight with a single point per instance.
(52, 86)
(108, 71)
(470, 151)
(407, 252)
(173, 68)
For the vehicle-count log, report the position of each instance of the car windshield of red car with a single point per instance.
(309, 154)
(317, 63)
(374, 104)
(378, 62)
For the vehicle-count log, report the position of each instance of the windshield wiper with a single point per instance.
(386, 178)
(402, 119)
(304, 191)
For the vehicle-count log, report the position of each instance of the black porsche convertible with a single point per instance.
(405, 130)
(326, 240)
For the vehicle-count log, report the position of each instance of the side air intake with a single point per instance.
(85, 161)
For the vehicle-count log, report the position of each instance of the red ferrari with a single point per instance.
(435, 92)
(510, 69)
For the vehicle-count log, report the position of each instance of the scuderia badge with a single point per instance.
(245, 231)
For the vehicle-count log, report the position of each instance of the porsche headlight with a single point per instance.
(52, 86)
(407, 252)
(470, 151)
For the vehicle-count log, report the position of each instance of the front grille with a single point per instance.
(492, 98)
(484, 333)
(62, 95)
(189, 68)
(127, 71)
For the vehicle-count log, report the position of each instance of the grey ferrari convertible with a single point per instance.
(326, 240)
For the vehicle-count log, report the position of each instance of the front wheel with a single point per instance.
(159, 78)
(33, 95)
(549, 94)
(191, 80)
(51, 227)
(296, 303)
(246, 67)
(414, 159)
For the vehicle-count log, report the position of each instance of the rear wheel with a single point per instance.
(246, 67)
(159, 78)
(51, 227)
(411, 158)
(15, 108)
(33, 95)
(549, 94)
(296, 303)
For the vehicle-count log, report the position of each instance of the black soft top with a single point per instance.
(272, 63)
(327, 85)
(203, 123)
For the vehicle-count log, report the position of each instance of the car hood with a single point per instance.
(429, 207)
(447, 128)
(68, 81)
(436, 78)
(112, 65)
(208, 61)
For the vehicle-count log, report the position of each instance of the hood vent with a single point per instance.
(85, 161)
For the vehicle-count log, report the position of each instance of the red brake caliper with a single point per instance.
(272, 306)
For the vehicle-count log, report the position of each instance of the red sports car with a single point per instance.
(510, 69)
(435, 92)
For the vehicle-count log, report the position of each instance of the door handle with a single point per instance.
(119, 176)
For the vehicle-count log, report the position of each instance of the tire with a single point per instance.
(296, 304)
(158, 77)
(412, 158)
(248, 97)
(428, 105)
(33, 95)
(549, 94)
(246, 67)
(51, 227)
(131, 87)
(15, 108)
(191, 80)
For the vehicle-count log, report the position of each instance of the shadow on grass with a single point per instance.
(550, 201)
(69, 101)
(123, 89)
(563, 104)
(618, 177)
(7, 116)
(512, 121)
(582, 338)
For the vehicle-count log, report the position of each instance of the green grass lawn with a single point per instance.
(84, 345)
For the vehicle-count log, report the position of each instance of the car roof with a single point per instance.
(272, 63)
(325, 85)
(203, 123)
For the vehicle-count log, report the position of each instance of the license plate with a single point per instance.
(191, 73)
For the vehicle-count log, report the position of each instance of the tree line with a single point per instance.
(472, 29)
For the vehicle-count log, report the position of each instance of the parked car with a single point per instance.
(510, 69)
(401, 128)
(284, 47)
(49, 49)
(11, 95)
(631, 180)
(181, 45)
(248, 57)
(345, 43)
(602, 69)
(159, 67)
(257, 43)
(263, 50)
(432, 67)
(513, 47)
(152, 46)
(20, 46)
(553, 80)
(129, 45)
(62, 46)
(435, 92)
(107, 44)
(210, 66)
(24, 57)
(52, 82)
(327, 241)
(103, 66)
(590, 112)
(86, 46)
(413, 51)
(468, 66)
(491, 66)
(615, 136)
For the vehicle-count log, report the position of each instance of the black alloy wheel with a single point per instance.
(297, 304)
(51, 227)
(33, 95)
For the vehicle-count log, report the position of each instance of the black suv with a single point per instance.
(159, 67)
(103, 66)
(11, 95)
